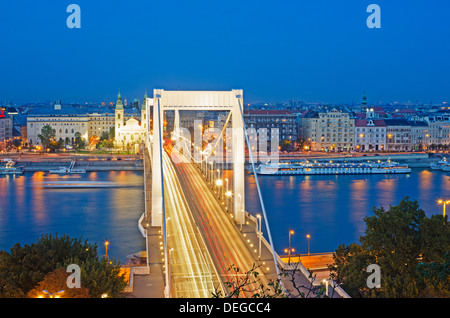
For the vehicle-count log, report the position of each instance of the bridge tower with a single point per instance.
(198, 100)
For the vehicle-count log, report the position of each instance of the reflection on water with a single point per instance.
(28, 209)
(332, 208)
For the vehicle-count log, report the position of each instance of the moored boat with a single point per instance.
(70, 169)
(442, 164)
(330, 167)
(10, 168)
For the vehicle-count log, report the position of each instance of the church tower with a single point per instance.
(118, 116)
(144, 113)
(364, 104)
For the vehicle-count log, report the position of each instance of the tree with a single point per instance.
(26, 266)
(396, 240)
(101, 276)
(47, 135)
(56, 281)
(112, 132)
(436, 277)
(28, 269)
(285, 144)
(79, 141)
(107, 143)
(249, 284)
(104, 135)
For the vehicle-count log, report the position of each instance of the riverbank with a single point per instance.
(46, 162)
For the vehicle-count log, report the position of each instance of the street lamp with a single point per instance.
(309, 238)
(326, 286)
(444, 203)
(227, 193)
(55, 295)
(219, 183)
(291, 232)
(259, 232)
(106, 248)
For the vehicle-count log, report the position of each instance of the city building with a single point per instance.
(6, 126)
(398, 135)
(328, 130)
(66, 120)
(370, 133)
(420, 135)
(129, 128)
(284, 120)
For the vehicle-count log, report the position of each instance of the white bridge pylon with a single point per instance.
(198, 100)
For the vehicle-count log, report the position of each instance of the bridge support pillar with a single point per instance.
(157, 183)
(238, 149)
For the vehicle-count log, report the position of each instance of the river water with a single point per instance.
(331, 208)
(328, 208)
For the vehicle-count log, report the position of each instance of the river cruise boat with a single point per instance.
(70, 169)
(10, 168)
(332, 167)
(441, 165)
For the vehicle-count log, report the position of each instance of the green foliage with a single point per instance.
(25, 266)
(396, 240)
(47, 135)
(436, 277)
(100, 276)
(79, 141)
(249, 284)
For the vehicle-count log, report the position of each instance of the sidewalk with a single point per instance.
(150, 285)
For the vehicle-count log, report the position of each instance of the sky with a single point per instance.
(318, 51)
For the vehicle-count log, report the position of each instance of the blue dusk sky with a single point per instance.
(309, 50)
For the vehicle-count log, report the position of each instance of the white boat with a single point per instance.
(442, 164)
(70, 169)
(334, 168)
(78, 184)
(11, 169)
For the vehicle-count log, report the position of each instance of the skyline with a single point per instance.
(312, 52)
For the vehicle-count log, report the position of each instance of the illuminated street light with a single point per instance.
(309, 238)
(259, 232)
(444, 203)
(291, 232)
(325, 281)
(55, 295)
(106, 248)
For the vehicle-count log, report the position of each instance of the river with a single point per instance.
(328, 208)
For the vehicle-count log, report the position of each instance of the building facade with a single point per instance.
(328, 130)
(129, 129)
(284, 120)
(398, 135)
(370, 133)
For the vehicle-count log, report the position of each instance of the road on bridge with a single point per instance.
(221, 235)
(192, 272)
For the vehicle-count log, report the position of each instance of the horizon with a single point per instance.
(312, 52)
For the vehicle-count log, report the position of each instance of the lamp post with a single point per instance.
(259, 232)
(444, 203)
(291, 232)
(106, 248)
(309, 238)
(219, 184)
(227, 194)
(326, 286)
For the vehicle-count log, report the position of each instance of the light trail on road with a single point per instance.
(192, 272)
(221, 235)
